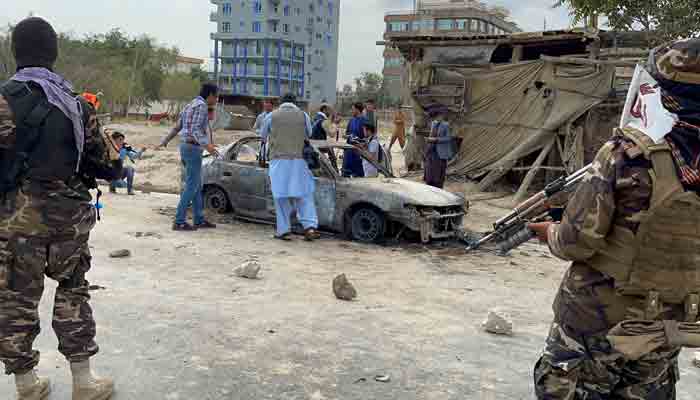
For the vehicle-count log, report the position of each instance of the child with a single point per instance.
(373, 148)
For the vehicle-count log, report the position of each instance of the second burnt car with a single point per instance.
(365, 209)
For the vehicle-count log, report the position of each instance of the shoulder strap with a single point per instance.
(28, 106)
(664, 175)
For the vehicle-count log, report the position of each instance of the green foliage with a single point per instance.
(127, 70)
(368, 86)
(178, 89)
(663, 20)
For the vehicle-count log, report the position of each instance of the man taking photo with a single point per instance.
(128, 172)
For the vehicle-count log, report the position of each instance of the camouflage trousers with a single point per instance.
(23, 265)
(576, 367)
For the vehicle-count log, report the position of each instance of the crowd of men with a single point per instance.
(627, 305)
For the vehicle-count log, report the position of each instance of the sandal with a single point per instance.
(284, 237)
(311, 234)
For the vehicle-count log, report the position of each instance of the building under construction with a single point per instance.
(461, 17)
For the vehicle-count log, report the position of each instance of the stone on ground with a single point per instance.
(696, 359)
(343, 289)
(120, 253)
(249, 270)
(498, 323)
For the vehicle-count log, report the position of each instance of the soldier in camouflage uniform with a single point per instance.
(631, 232)
(50, 135)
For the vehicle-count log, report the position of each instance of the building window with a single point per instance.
(257, 27)
(330, 26)
(273, 26)
(257, 7)
(445, 24)
(242, 24)
(226, 9)
(429, 25)
(329, 41)
(461, 24)
(330, 8)
(312, 8)
(398, 26)
(297, 29)
(285, 28)
(226, 27)
(286, 11)
(258, 47)
(297, 11)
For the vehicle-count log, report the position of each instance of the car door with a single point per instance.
(246, 180)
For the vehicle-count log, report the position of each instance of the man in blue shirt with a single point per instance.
(125, 151)
(195, 138)
(352, 162)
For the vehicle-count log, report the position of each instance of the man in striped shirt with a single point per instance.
(195, 137)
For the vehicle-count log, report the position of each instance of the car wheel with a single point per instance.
(367, 225)
(215, 199)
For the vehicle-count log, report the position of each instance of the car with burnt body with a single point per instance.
(365, 209)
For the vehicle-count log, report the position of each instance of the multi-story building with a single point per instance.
(185, 64)
(266, 48)
(438, 18)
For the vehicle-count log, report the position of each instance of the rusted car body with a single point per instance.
(366, 209)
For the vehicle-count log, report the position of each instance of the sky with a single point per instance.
(185, 23)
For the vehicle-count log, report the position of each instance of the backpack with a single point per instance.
(317, 131)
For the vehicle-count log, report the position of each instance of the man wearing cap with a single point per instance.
(441, 148)
(286, 130)
(46, 214)
(629, 302)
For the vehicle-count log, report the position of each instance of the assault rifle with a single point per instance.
(512, 231)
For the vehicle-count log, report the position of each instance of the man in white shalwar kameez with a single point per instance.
(285, 131)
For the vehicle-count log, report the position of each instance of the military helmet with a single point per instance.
(677, 61)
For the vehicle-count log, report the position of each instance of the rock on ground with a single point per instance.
(343, 289)
(498, 323)
(120, 253)
(249, 270)
(696, 359)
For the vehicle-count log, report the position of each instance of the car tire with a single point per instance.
(215, 199)
(367, 225)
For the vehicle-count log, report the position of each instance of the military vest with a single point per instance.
(288, 134)
(45, 148)
(663, 256)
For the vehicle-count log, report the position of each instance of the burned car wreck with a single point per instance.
(365, 209)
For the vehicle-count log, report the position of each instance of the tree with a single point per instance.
(178, 89)
(662, 20)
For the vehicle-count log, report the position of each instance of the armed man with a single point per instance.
(51, 153)
(629, 302)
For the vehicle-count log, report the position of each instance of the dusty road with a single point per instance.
(174, 323)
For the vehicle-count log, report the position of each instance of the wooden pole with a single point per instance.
(522, 192)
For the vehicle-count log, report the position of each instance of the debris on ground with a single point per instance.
(382, 378)
(498, 323)
(343, 289)
(696, 359)
(146, 234)
(96, 287)
(248, 270)
(120, 253)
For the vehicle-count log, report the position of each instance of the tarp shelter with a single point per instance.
(514, 110)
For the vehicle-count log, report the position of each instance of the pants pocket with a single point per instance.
(5, 262)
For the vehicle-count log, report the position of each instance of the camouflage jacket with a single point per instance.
(45, 210)
(618, 188)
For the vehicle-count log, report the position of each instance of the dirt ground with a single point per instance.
(174, 322)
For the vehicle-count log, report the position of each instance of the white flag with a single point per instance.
(644, 109)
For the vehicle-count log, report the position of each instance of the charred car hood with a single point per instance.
(409, 192)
